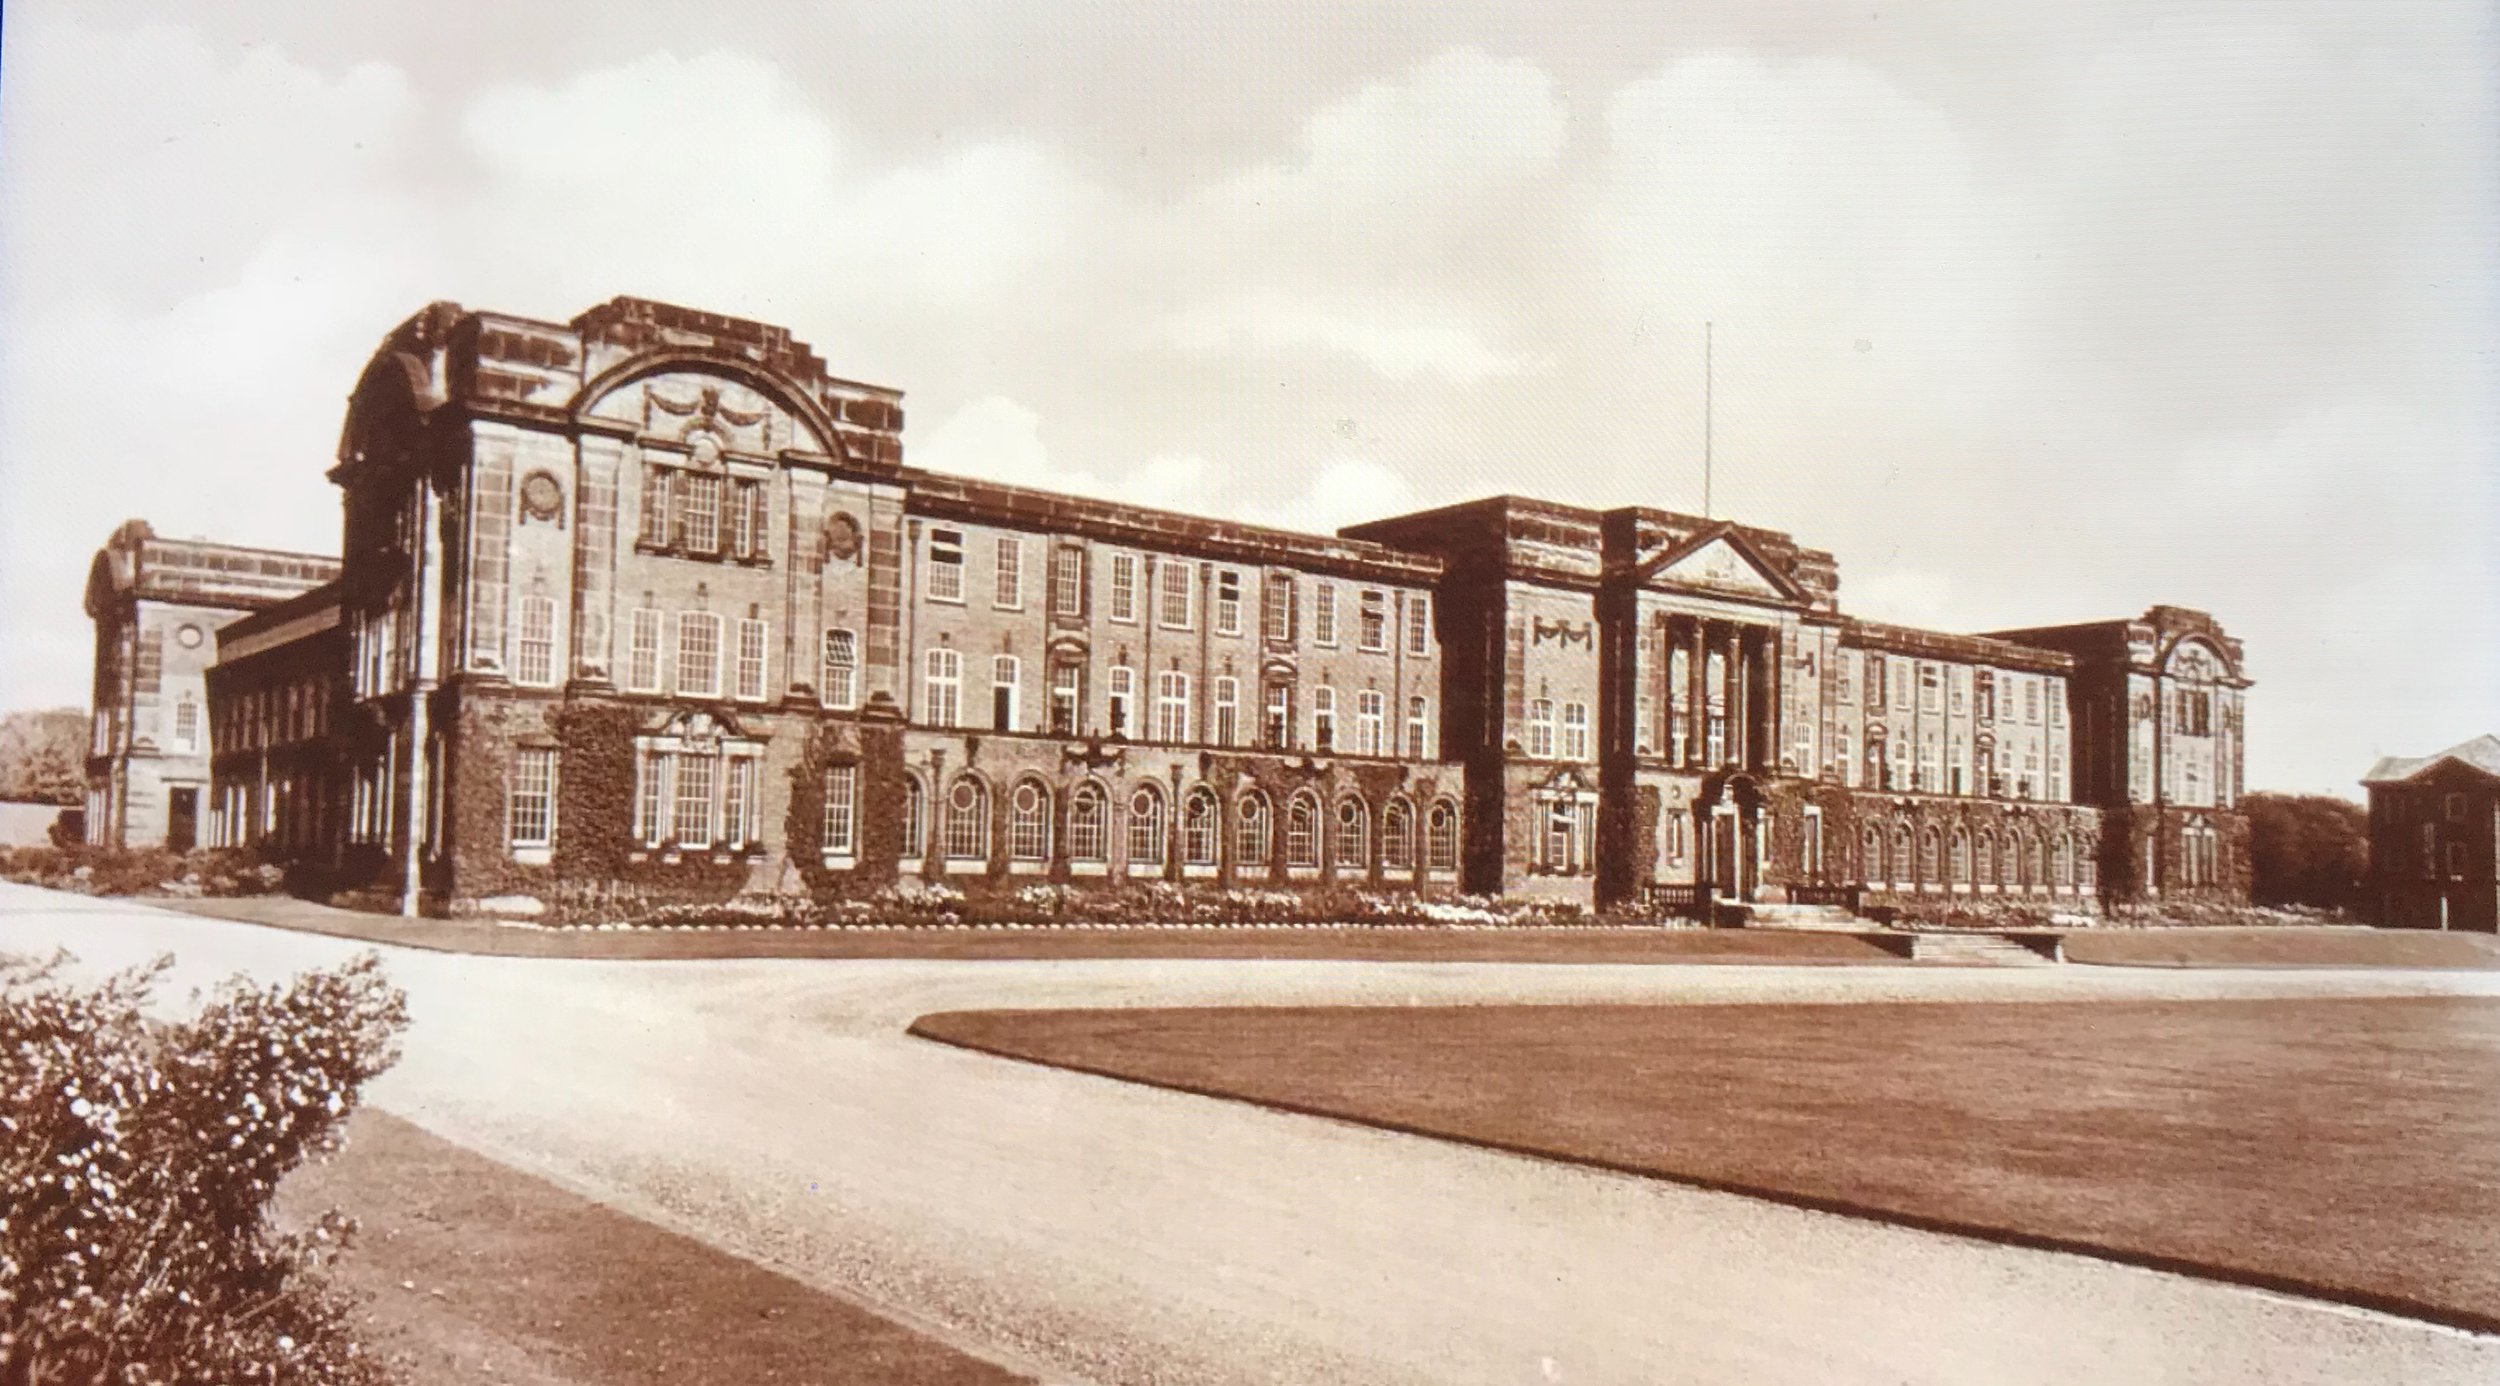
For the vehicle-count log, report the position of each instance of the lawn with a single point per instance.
(476, 1272)
(2348, 1149)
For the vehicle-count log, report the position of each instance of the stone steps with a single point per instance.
(1994, 950)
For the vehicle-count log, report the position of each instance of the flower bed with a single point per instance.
(89, 870)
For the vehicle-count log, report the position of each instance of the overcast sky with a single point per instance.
(2031, 312)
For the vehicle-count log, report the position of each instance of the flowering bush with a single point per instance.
(1133, 903)
(87, 870)
(137, 1162)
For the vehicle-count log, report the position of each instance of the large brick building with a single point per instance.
(648, 605)
(2435, 837)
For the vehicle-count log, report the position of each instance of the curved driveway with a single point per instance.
(1093, 1230)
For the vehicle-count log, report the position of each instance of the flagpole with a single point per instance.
(1705, 420)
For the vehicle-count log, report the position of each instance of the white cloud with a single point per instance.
(1456, 123)
(1399, 342)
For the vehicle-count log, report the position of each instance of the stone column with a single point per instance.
(1739, 688)
(1696, 692)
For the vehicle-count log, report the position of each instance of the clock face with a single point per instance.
(541, 496)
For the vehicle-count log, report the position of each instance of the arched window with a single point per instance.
(1397, 836)
(2087, 866)
(1353, 836)
(1875, 758)
(1870, 856)
(1201, 827)
(1961, 855)
(2036, 858)
(1985, 871)
(1253, 833)
(968, 820)
(2018, 860)
(1089, 815)
(1302, 831)
(1901, 862)
(1930, 868)
(1441, 837)
(1145, 827)
(915, 820)
(1028, 821)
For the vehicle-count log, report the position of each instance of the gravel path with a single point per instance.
(1095, 1230)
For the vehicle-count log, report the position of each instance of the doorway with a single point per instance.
(182, 819)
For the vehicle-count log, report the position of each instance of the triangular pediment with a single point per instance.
(1720, 561)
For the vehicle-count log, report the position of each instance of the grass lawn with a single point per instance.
(2283, 946)
(2349, 1149)
(476, 1272)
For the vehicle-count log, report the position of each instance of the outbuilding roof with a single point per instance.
(2482, 753)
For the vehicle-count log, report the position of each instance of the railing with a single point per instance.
(1847, 896)
(1689, 899)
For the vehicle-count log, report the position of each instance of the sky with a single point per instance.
(2029, 313)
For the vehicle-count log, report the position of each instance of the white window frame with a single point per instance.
(1172, 707)
(1228, 602)
(1324, 719)
(1008, 588)
(534, 655)
(1371, 721)
(1067, 580)
(754, 656)
(534, 771)
(1419, 625)
(1541, 728)
(1227, 728)
(1371, 620)
(1324, 614)
(709, 687)
(839, 681)
(942, 687)
(1123, 606)
(1575, 731)
(946, 565)
(840, 846)
(1418, 727)
(1007, 673)
(1176, 594)
(646, 651)
(1120, 702)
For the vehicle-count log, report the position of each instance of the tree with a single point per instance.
(2306, 849)
(137, 1163)
(43, 755)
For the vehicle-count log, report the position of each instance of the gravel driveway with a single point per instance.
(1094, 1230)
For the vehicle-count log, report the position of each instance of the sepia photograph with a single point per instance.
(1264, 691)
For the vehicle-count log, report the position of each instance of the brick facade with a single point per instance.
(647, 606)
(2435, 838)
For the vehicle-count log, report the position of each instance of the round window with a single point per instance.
(1028, 798)
(190, 637)
(964, 796)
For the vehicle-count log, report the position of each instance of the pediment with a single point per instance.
(705, 413)
(1722, 563)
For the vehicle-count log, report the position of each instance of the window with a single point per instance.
(1397, 837)
(946, 565)
(1067, 696)
(1124, 587)
(841, 681)
(741, 518)
(1374, 618)
(531, 821)
(737, 802)
(1006, 692)
(1010, 593)
(1353, 835)
(656, 484)
(1984, 859)
(698, 655)
(1251, 833)
(915, 821)
(758, 510)
(1277, 609)
(187, 722)
(1324, 614)
(1172, 706)
(1930, 862)
(2031, 701)
(1419, 625)
(642, 661)
(1324, 718)
(1875, 683)
(1575, 731)
(1930, 761)
(1418, 729)
(1228, 603)
(943, 705)
(1566, 844)
(1201, 823)
(650, 799)
(967, 836)
(1844, 753)
(536, 659)
(1123, 697)
(1067, 581)
(1145, 827)
(1227, 711)
(1541, 728)
(751, 637)
(1961, 691)
(1302, 832)
(841, 810)
(1278, 715)
(1088, 819)
(1930, 688)
(1441, 837)
(1844, 678)
(1371, 716)
(695, 775)
(1028, 822)
(2454, 806)
(1172, 580)
(701, 495)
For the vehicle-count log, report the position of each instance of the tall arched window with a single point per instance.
(1253, 833)
(1089, 818)
(1302, 830)
(1028, 821)
(968, 820)
(1353, 835)
(1902, 863)
(1985, 871)
(2062, 864)
(1870, 856)
(1441, 837)
(1145, 828)
(1961, 855)
(915, 820)
(1201, 827)
(1397, 836)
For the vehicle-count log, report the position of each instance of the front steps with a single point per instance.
(1989, 950)
(1976, 948)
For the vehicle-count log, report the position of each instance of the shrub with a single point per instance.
(137, 1163)
(2306, 849)
(89, 870)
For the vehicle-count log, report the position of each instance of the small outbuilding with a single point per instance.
(2435, 837)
